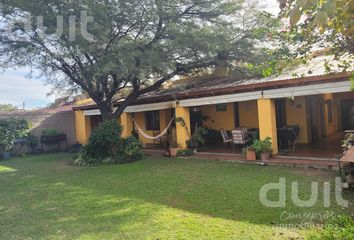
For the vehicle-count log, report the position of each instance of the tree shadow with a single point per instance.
(119, 199)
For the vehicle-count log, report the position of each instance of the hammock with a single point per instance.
(152, 137)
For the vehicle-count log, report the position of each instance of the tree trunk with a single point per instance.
(106, 112)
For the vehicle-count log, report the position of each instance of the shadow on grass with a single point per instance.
(45, 197)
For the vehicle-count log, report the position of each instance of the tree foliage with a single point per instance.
(10, 130)
(130, 47)
(322, 23)
(7, 108)
(106, 144)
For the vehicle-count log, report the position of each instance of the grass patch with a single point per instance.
(43, 197)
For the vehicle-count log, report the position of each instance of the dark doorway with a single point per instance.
(322, 106)
(95, 122)
(237, 115)
(348, 114)
(196, 116)
(314, 128)
(280, 106)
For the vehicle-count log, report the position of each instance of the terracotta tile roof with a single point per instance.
(311, 73)
(19, 113)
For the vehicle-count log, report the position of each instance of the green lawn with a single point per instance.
(43, 197)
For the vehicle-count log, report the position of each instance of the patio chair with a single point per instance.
(240, 136)
(225, 136)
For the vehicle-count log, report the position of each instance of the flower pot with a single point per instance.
(251, 155)
(173, 152)
(5, 155)
(265, 156)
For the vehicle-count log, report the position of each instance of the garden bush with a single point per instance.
(339, 227)
(185, 153)
(130, 151)
(106, 144)
(50, 132)
(10, 130)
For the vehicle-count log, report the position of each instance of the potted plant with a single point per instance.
(52, 135)
(250, 153)
(10, 130)
(263, 148)
(266, 149)
(174, 149)
(197, 139)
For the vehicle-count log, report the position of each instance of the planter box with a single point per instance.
(173, 152)
(251, 155)
(53, 139)
(265, 156)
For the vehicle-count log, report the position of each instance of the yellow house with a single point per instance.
(318, 104)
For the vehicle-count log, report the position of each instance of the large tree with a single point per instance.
(321, 23)
(117, 50)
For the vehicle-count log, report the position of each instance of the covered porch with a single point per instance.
(321, 120)
(317, 114)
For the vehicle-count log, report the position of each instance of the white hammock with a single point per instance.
(141, 131)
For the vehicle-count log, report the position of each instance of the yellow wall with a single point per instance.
(82, 127)
(248, 114)
(165, 118)
(183, 132)
(84, 101)
(127, 124)
(267, 122)
(296, 114)
(140, 119)
(219, 120)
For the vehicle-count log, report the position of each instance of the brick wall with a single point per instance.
(61, 118)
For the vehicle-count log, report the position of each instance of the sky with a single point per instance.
(17, 88)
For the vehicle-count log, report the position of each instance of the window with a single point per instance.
(329, 111)
(152, 120)
(221, 108)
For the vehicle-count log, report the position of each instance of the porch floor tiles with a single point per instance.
(327, 147)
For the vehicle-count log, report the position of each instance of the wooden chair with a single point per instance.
(240, 137)
(225, 136)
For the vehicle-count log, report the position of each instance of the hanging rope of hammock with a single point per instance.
(141, 131)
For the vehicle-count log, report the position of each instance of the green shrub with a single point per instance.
(10, 130)
(184, 153)
(130, 151)
(104, 142)
(106, 145)
(340, 227)
(80, 160)
(50, 132)
(198, 138)
(262, 146)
